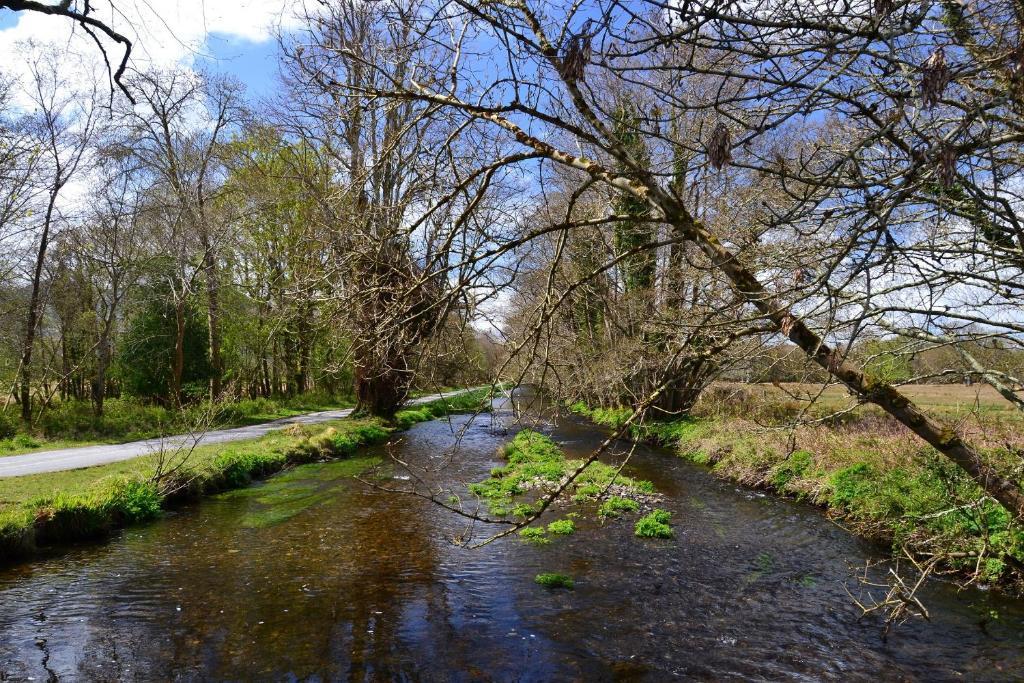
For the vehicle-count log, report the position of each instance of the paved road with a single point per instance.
(89, 456)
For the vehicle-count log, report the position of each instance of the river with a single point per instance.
(315, 575)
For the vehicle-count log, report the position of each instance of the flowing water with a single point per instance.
(315, 575)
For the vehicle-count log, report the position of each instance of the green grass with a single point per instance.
(72, 423)
(470, 402)
(60, 507)
(655, 524)
(549, 580)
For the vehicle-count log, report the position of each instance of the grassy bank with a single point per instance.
(73, 423)
(872, 474)
(60, 507)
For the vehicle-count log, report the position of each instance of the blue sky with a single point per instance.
(252, 63)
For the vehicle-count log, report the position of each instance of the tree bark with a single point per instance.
(381, 388)
(179, 352)
(213, 322)
(34, 312)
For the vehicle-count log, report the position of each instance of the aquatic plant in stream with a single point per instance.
(616, 505)
(537, 464)
(536, 467)
(551, 580)
(534, 534)
(562, 527)
(654, 525)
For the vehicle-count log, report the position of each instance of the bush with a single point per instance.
(852, 484)
(654, 525)
(8, 424)
(133, 500)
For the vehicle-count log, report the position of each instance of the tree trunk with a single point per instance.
(99, 382)
(265, 388)
(289, 364)
(34, 312)
(275, 371)
(179, 352)
(213, 321)
(380, 391)
(65, 367)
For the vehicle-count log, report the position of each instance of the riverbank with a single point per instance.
(45, 510)
(870, 473)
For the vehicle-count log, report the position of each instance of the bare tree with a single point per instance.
(65, 122)
(177, 132)
(111, 248)
(395, 248)
(807, 95)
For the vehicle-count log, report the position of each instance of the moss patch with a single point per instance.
(562, 527)
(616, 505)
(535, 535)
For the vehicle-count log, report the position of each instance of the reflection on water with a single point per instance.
(313, 574)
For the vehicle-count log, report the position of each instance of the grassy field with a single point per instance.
(871, 473)
(59, 507)
(70, 424)
(948, 399)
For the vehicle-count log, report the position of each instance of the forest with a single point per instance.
(782, 240)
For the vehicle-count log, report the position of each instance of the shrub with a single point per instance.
(25, 441)
(654, 525)
(8, 424)
(851, 484)
(133, 500)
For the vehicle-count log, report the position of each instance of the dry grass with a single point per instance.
(947, 399)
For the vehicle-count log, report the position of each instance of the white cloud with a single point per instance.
(164, 33)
